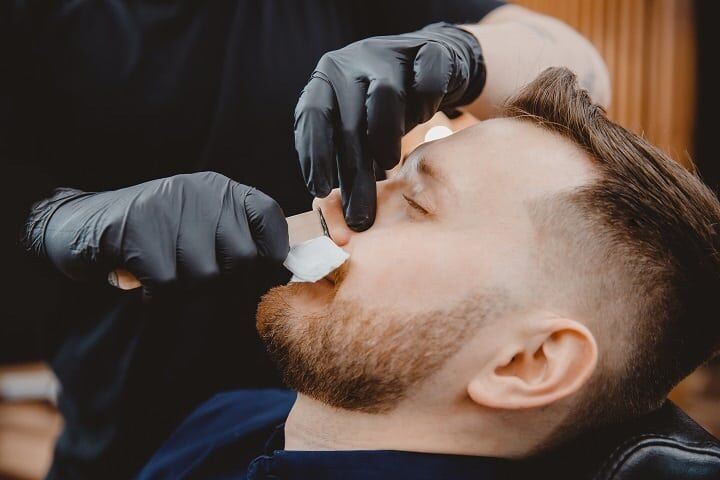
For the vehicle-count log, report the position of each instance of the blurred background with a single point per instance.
(650, 49)
(664, 86)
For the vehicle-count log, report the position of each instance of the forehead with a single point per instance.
(507, 156)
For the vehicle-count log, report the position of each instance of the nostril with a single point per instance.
(331, 207)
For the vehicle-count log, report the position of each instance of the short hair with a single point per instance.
(640, 241)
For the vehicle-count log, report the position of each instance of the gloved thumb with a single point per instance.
(268, 226)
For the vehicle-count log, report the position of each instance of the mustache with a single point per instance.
(339, 275)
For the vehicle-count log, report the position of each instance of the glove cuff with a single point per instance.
(466, 46)
(33, 233)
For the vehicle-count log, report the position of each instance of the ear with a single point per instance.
(542, 365)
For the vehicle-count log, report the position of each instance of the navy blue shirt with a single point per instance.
(239, 435)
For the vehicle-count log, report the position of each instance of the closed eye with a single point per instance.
(413, 204)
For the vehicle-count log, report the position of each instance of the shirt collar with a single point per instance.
(374, 464)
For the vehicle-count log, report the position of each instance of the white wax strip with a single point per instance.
(311, 260)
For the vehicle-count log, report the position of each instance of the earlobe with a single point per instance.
(550, 363)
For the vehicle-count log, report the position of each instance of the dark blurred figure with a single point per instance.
(102, 96)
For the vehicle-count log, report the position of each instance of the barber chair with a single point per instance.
(663, 445)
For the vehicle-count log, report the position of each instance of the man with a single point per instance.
(112, 111)
(526, 279)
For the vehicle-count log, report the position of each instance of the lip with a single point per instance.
(334, 276)
(324, 289)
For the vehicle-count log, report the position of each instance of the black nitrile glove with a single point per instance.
(363, 98)
(180, 230)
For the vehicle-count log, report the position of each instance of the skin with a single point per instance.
(438, 239)
(518, 44)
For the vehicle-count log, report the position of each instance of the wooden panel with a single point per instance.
(649, 47)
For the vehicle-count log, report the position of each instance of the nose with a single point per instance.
(331, 207)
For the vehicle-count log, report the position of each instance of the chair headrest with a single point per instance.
(663, 445)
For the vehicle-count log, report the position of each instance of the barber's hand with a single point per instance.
(363, 98)
(180, 230)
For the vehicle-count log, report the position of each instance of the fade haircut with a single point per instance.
(635, 254)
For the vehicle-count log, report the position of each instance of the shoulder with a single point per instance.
(408, 15)
(239, 419)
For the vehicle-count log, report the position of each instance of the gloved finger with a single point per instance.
(355, 170)
(155, 270)
(432, 70)
(314, 140)
(385, 107)
(360, 203)
(153, 262)
(195, 253)
(380, 172)
(235, 245)
(268, 226)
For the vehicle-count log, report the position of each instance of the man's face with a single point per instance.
(452, 246)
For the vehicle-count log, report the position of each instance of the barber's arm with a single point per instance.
(518, 44)
(361, 99)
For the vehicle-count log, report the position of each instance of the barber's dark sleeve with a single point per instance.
(31, 288)
(409, 15)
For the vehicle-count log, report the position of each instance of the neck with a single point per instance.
(313, 425)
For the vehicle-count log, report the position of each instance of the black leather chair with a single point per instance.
(663, 445)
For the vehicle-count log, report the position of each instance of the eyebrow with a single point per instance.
(416, 168)
(419, 163)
